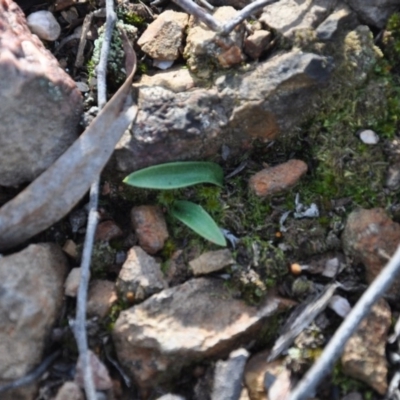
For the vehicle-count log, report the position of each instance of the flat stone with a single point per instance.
(176, 80)
(211, 261)
(32, 81)
(366, 232)
(140, 276)
(101, 297)
(163, 37)
(277, 179)
(44, 25)
(149, 225)
(288, 16)
(31, 296)
(182, 325)
(364, 355)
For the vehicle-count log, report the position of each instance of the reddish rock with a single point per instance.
(257, 43)
(107, 231)
(369, 237)
(102, 295)
(364, 356)
(69, 391)
(163, 37)
(184, 324)
(40, 104)
(277, 179)
(150, 227)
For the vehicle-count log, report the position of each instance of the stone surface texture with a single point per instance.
(364, 355)
(101, 297)
(182, 325)
(211, 261)
(69, 391)
(31, 295)
(108, 230)
(204, 44)
(150, 227)
(140, 276)
(289, 16)
(277, 179)
(374, 12)
(163, 38)
(368, 236)
(257, 43)
(40, 105)
(72, 282)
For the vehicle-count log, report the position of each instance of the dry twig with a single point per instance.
(335, 347)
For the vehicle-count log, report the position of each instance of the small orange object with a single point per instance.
(296, 269)
(278, 234)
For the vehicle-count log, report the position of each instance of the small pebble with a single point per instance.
(72, 282)
(368, 136)
(44, 25)
(82, 86)
(162, 64)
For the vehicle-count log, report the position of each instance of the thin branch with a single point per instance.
(245, 13)
(33, 375)
(335, 347)
(80, 322)
(105, 48)
(192, 8)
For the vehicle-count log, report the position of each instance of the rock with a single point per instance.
(170, 396)
(393, 177)
(72, 282)
(256, 371)
(353, 396)
(368, 136)
(44, 25)
(101, 297)
(341, 19)
(101, 378)
(182, 325)
(176, 80)
(364, 355)
(211, 261)
(374, 12)
(70, 249)
(149, 225)
(283, 16)
(368, 236)
(228, 376)
(163, 37)
(69, 391)
(140, 276)
(203, 44)
(31, 296)
(108, 230)
(32, 81)
(277, 179)
(257, 43)
(194, 124)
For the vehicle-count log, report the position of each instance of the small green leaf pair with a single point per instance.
(179, 175)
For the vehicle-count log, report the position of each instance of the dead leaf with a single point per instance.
(54, 193)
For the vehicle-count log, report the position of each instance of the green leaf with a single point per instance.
(176, 175)
(197, 219)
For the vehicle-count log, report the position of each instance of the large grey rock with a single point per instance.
(374, 12)
(40, 105)
(31, 294)
(184, 324)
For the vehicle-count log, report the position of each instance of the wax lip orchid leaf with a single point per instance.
(197, 219)
(176, 175)
(182, 174)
